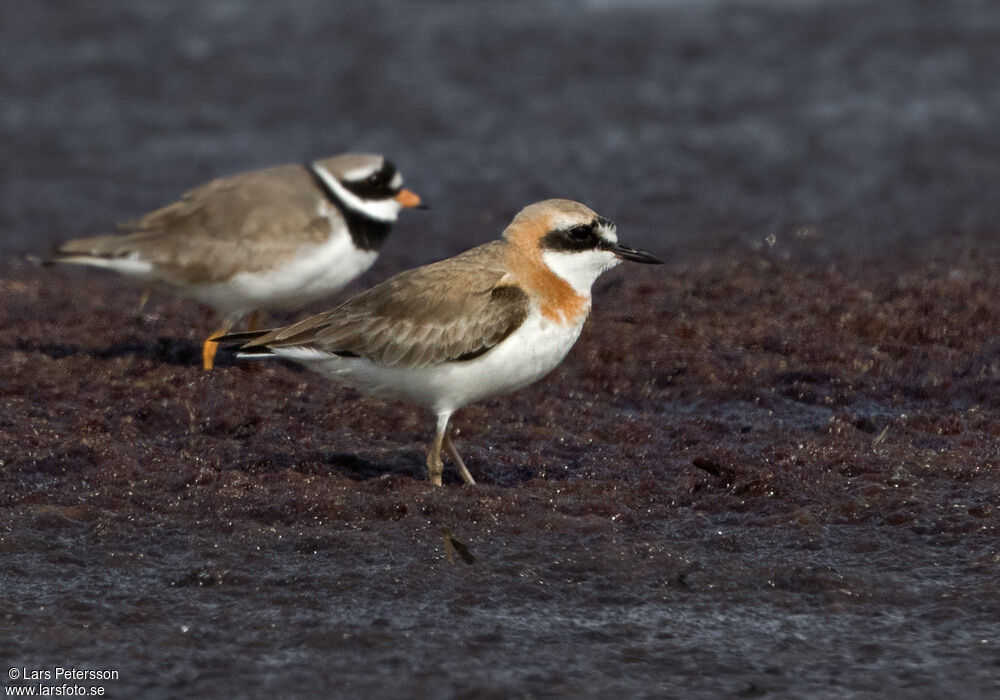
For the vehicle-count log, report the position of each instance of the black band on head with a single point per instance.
(376, 185)
(366, 233)
(576, 238)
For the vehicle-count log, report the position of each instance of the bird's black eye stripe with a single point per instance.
(376, 185)
(579, 237)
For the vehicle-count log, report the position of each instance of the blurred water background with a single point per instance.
(697, 125)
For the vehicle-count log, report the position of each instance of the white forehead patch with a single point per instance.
(608, 232)
(396, 182)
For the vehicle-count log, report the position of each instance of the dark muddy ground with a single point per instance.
(751, 475)
(770, 468)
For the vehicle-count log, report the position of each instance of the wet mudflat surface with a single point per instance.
(769, 468)
(751, 475)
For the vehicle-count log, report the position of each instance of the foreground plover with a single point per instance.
(268, 239)
(489, 321)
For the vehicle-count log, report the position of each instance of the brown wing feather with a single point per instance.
(242, 223)
(449, 311)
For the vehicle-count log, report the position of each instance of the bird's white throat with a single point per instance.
(579, 268)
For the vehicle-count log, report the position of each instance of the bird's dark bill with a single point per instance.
(635, 255)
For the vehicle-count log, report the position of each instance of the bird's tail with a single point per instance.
(98, 251)
(250, 349)
(241, 338)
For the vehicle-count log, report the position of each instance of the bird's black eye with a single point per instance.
(376, 185)
(575, 238)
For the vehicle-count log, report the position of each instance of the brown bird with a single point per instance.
(268, 239)
(489, 321)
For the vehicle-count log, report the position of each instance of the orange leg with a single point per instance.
(210, 347)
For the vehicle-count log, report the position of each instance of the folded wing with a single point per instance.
(243, 223)
(451, 311)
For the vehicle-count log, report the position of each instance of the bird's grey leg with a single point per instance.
(434, 464)
(462, 469)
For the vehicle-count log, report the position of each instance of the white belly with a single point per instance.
(527, 355)
(317, 272)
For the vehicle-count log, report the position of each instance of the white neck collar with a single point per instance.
(384, 210)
